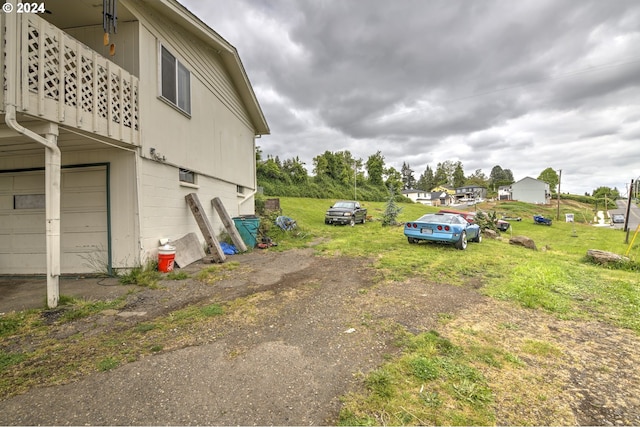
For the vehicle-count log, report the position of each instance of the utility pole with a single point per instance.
(626, 217)
(355, 180)
(559, 179)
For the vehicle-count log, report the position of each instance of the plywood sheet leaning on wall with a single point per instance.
(188, 250)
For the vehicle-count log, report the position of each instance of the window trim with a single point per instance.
(179, 69)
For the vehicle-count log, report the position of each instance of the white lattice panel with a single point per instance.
(86, 81)
(51, 66)
(33, 42)
(70, 77)
(101, 87)
(73, 84)
(115, 97)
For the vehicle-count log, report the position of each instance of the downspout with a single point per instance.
(255, 183)
(52, 159)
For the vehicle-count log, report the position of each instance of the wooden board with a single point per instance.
(229, 224)
(205, 227)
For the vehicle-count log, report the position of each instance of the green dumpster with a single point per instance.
(248, 226)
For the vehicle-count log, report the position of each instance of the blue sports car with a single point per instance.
(443, 228)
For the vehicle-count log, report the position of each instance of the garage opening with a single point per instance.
(84, 221)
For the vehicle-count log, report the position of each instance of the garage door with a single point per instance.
(83, 221)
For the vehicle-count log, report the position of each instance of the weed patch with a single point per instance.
(75, 308)
(433, 382)
(11, 323)
(216, 272)
(212, 310)
(108, 363)
(147, 276)
(10, 359)
(540, 348)
(177, 275)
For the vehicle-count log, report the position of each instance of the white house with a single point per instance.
(415, 195)
(430, 198)
(504, 192)
(531, 190)
(104, 132)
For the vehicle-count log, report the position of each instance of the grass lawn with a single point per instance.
(556, 278)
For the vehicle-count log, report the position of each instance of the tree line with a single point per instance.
(340, 175)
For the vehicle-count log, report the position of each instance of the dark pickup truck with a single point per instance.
(346, 212)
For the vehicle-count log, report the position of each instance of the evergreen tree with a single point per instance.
(392, 210)
(427, 180)
(440, 176)
(408, 180)
(508, 176)
(499, 176)
(458, 175)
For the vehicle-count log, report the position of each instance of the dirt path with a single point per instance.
(313, 326)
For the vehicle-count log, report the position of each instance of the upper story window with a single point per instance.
(176, 81)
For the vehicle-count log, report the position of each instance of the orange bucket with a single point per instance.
(166, 258)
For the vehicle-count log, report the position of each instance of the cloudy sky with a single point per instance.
(525, 84)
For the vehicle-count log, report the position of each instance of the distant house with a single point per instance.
(440, 198)
(414, 195)
(530, 190)
(430, 198)
(504, 192)
(470, 192)
(447, 188)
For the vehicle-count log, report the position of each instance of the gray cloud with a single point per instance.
(525, 85)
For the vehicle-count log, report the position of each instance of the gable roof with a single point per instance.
(528, 178)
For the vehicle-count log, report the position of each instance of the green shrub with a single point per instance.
(487, 221)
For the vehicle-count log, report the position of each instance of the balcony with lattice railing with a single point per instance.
(64, 81)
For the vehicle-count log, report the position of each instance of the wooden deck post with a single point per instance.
(205, 227)
(229, 224)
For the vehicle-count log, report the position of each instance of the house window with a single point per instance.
(187, 176)
(239, 189)
(176, 81)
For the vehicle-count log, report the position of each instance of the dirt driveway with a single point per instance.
(315, 325)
